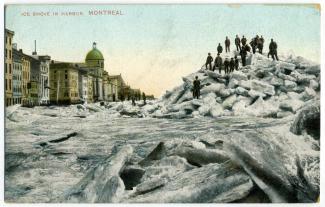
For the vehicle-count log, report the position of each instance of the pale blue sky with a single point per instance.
(153, 46)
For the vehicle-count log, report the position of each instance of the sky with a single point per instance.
(154, 46)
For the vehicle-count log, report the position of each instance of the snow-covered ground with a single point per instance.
(234, 144)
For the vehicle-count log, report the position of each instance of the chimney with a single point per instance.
(34, 53)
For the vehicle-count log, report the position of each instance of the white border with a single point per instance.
(322, 163)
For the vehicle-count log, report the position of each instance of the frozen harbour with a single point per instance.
(251, 137)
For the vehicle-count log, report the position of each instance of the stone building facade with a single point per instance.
(17, 76)
(8, 66)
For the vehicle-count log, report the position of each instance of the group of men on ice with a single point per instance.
(256, 43)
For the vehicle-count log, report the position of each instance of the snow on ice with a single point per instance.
(253, 136)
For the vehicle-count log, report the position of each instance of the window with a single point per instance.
(66, 76)
(10, 54)
(9, 40)
(6, 84)
(6, 52)
(6, 68)
(9, 84)
(9, 68)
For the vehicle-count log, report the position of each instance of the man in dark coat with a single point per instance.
(219, 49)
(226, 63)
(209, 62)
(243, 40)
(273, 50)
(227, 44)
(196, 88)
(144, 98)
(218, 63)
(236, 63)
(243, 54)
(232, 65)
(260, 44)
(253, 44)
(237, 43)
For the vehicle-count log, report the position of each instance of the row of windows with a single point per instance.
(8, 68)
(17, 89)
(44, 69)
(66, 94)
(66, 84)
(8, 39)
(16, 77)
(18, 67)
(8, 52)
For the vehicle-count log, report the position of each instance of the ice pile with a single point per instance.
(265, 88)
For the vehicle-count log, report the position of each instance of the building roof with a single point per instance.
(94, 54)
(9, 32)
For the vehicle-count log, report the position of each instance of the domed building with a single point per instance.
(95, 58)
(86, 82)
(95, 64)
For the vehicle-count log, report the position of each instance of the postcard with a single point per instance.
(162, 103)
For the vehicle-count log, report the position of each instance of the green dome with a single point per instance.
(94, 54)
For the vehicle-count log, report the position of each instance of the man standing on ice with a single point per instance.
(196, 88)
(236, 63)
(260, 44)
(237, 43)
(218, 62)
(227, 44)
(232, 65)
(226, 63)
(243, 41)
(273, 50)
(253, 43)
(209, 62)
(243, 54)
(219, 48)
(144, 98)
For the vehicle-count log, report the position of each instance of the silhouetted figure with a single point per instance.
(226, 63)
(196, 88)
(133, 100)
(273, 50)
(243, 54)
(243, 41)
(227, 44)
(237, 43)
(232, 65)
(144, 98)
(253, 45)
(209, 61)
(260, 44)
(218, 62)
(236, 63)
(219, 49)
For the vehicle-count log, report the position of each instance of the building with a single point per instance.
(64, 83)
(117, 86)
(113, 89)
(17, 75)
(95, 65)
(25, 77)
(105, 86)
(83, 84)
(8, 66)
